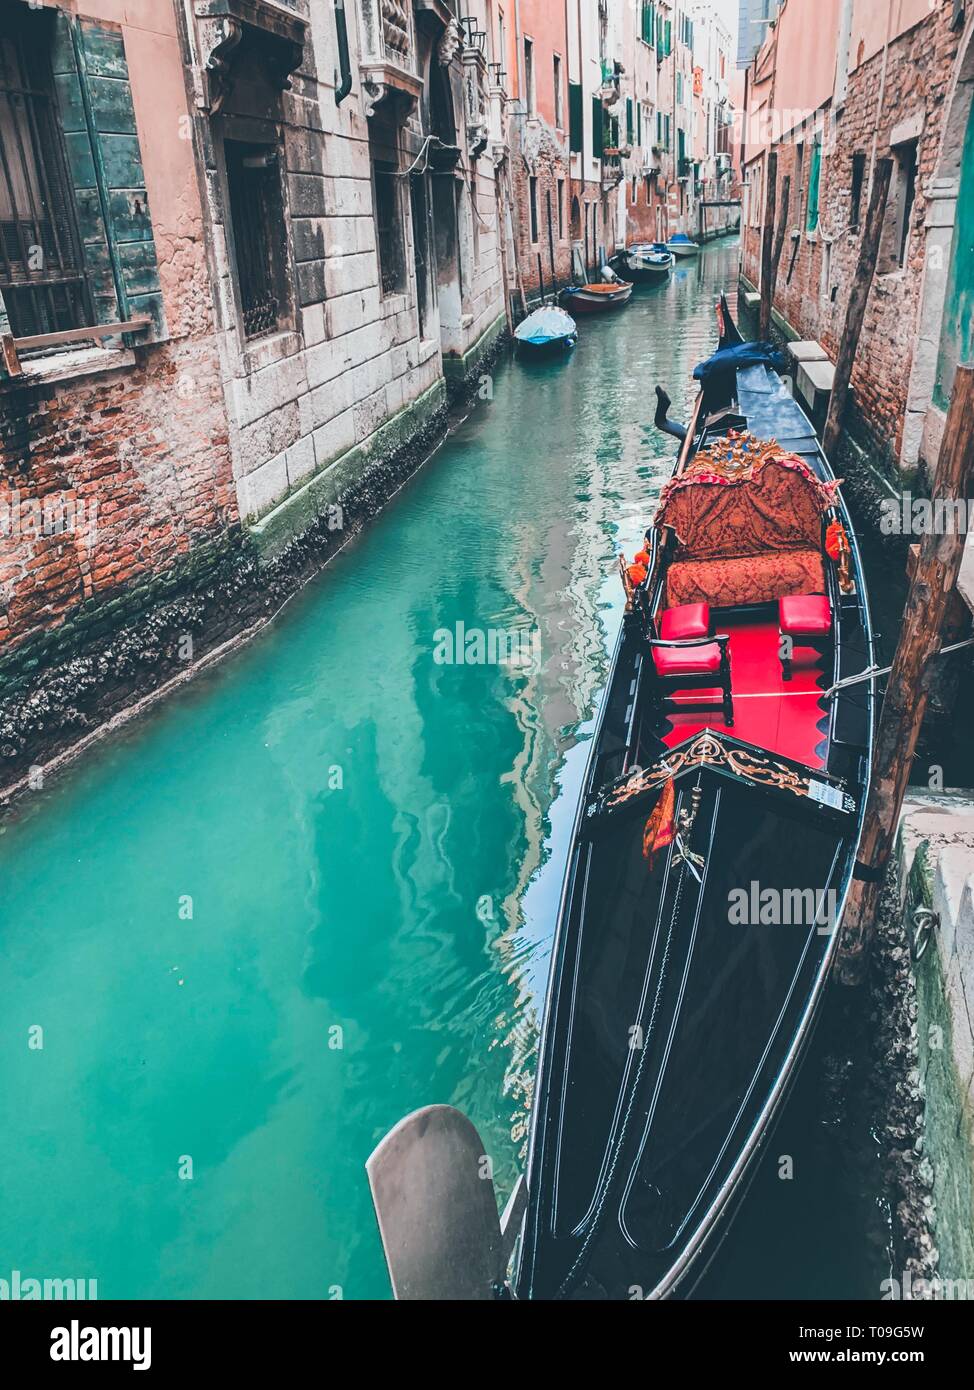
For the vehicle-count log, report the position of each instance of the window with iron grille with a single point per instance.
(259, 235)
(42, 276)
(389, 228)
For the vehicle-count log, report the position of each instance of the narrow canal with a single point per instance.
(316, 889)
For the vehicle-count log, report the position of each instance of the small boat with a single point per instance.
(594, 297)
(546, 330)
(644, 263)
(714, 845)
(682, 246)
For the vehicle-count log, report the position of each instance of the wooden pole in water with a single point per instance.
(868, 253)
(767, 239)
(551, 249)
(927, 608)
(779, 240)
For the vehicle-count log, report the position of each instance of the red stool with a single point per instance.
(806, 621)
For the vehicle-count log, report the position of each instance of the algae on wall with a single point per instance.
(948, 1131)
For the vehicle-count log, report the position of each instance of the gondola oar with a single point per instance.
(434, 1199)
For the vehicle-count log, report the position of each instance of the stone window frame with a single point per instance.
(286, 337)
(558, 83)
(898, 224)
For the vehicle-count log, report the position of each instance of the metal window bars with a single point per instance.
(42, 277)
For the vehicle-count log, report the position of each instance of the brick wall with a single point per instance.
(538, 152)
(106, 480)
(814, 281)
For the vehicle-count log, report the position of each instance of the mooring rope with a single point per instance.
(885, 670)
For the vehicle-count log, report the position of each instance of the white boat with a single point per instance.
(681, 245)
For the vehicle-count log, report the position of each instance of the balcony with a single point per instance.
(612, 171)
(388, 62)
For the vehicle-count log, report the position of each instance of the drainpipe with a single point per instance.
(343, 87)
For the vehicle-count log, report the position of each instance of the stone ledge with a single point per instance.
(936, 866)
(305, 504)
(458, 368)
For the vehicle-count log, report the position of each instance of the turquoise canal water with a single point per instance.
(316, 889)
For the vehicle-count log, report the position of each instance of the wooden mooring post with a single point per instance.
(858, 297)
(767, 242)
(779, 240)
(927, 608)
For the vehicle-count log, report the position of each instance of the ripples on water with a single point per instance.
(354, 950)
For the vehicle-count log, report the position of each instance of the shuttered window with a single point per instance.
(630, 116)
(648, 32)
(814, 172)
(598, 128)
(105, 168)
(576, 133)
(42, 274)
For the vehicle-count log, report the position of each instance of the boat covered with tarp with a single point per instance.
(548, 329)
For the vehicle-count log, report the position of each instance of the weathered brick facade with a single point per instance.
(114, 463)
(539, 179)
(892, 99)
(107, 480)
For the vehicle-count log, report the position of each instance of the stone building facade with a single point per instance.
(115, 462)
(538, 112)
(372, 275)
(830, 109)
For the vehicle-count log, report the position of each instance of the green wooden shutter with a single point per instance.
(639, 123)
(598, 128)
(576, 121)
(811, 221)
(105, 163)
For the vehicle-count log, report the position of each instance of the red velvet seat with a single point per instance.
(693, 663)
(687, 620)
(681, 661)
(804, 620)
(805, 615)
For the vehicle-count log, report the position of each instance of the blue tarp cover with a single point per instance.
(545, 325)
(741, 355)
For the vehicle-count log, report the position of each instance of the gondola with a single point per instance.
(647, 263)
(714, 845)
(545, 332)
(595, 298)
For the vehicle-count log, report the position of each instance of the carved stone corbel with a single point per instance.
(219, 37)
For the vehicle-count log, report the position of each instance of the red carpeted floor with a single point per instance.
(784, 717)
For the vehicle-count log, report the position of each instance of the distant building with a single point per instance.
(754, 17)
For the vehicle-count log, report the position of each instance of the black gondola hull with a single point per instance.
(683, 991)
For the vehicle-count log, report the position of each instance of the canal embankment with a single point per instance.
(927, 936)
(63, 689)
